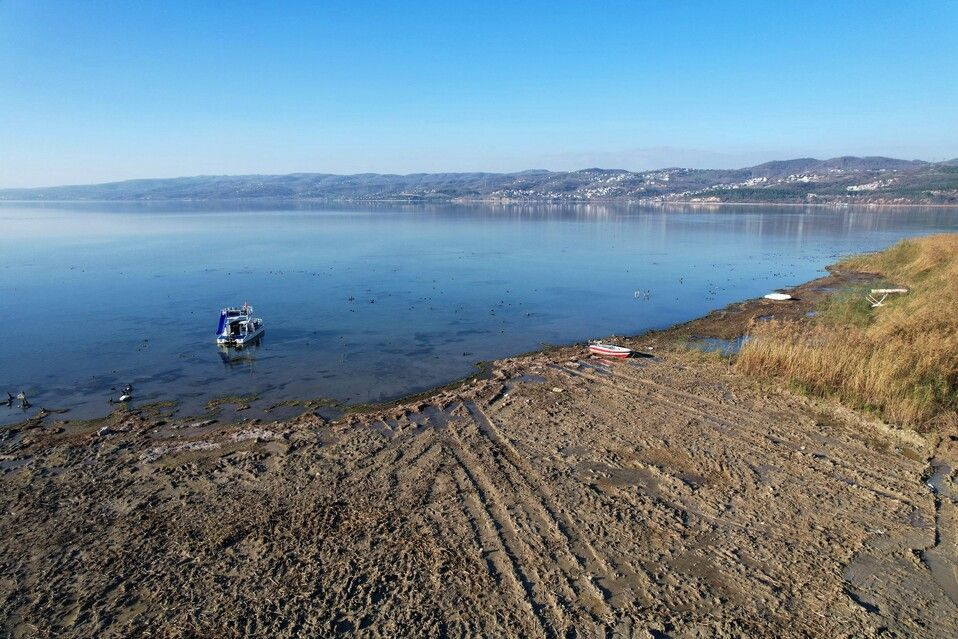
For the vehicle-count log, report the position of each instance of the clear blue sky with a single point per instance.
(96, 91)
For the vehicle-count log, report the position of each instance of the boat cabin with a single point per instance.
(237, 326)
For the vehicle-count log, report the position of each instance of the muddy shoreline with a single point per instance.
(554, 495)
(728, 323)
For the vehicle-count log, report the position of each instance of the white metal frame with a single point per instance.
(884, 292)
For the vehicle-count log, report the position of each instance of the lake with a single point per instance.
(366, 303)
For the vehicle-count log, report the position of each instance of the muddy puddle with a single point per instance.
(13, 464)
(718, 345)
(428, 417)
(938, 559)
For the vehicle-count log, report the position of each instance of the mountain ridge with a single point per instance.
(843, 179)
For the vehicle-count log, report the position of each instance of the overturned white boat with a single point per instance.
(238, 326)
(779, 297)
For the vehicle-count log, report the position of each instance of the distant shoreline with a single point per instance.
(489, 201)
(838, 181)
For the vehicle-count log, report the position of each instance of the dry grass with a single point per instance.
(899, 360)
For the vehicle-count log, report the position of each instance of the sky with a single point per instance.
(94, 92)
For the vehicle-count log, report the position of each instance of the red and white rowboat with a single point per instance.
(608, 350)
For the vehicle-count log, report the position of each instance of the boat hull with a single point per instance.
(607, 350)
(244, 339)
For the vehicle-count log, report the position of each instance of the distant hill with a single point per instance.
(805, 180)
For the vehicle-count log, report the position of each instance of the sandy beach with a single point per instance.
(558, 495)
(555, 320)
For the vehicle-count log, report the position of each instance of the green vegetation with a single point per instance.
(163, 408)
(848, 307)
(242, 401)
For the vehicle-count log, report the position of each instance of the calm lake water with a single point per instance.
(375, 302)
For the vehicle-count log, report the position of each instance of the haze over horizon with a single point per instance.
(107, 92)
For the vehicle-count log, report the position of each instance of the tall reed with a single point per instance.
(899, 360)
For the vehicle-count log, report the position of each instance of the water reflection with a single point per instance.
(240, 356)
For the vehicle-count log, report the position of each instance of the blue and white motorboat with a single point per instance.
(238, 326)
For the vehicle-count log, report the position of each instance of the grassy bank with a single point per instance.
(899, 360)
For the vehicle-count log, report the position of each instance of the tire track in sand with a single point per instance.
(745, 426)
(536, 495)
(749, 418)
(495, 527)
